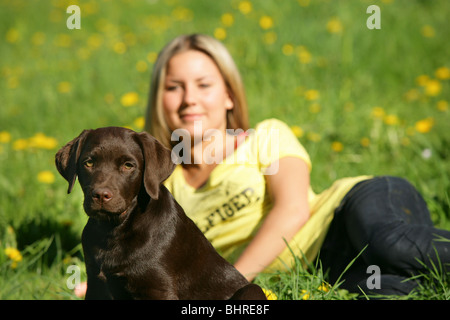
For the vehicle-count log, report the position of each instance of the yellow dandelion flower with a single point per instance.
(151, 57)
(365, 142)
(220, 33)
(20, 144)
(38, 38)
(442, 105)
(141, 66)
(315, 108)
(266, 22)
(305, 294)
(424, 125)
(95, 41)
(89, 8)
(443, 73)
(378, 113)
(46, 177)
(129, 39)
(325, 287)
(129, 99)
(269, 294)
(270, 37)
(287, 49)
(391, 119)
(13, 82)
(337, 146)
(84, 53)
(63, 40)
(139, 122)
(12, 36)
(298, 132)
(422, 80)
(304, 56)
(227, 19)
(428, 31)
(312, 95)
(64, 87)
(412, 95)
(5, 137)
(183, 14)
(245, 7)
(13, 254)
(119, 47)
(314, 137)
(334, 25)
(56, 15)
(433, 88)
(67, 260)
(303, 3)
(41, 141)
(405, 141)
(10, 230)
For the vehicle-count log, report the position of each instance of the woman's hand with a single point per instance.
(289, 191)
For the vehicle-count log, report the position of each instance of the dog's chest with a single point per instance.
(126, 273)
(113, 262)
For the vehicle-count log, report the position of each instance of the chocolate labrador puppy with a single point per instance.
(138, 242)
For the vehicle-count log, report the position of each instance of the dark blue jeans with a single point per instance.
(389, 216)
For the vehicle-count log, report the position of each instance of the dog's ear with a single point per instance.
(158, 164)
(66, 159)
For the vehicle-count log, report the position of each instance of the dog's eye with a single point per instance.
(128, 166)
(89, 163)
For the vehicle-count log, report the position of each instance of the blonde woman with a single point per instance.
(249, 190)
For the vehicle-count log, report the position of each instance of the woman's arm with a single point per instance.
(289, 191)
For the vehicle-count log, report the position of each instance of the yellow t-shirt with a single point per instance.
(231, 206)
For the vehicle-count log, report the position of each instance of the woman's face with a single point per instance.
(194, 90)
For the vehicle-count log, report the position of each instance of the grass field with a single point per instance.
(361, 101)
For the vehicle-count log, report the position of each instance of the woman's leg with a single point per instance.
(389, 216)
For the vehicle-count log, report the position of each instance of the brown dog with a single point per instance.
(138, 242)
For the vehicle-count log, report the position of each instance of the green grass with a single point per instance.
(366, 102)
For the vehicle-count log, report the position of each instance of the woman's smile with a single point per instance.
(190, 117)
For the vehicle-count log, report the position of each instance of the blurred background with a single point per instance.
(361, 101)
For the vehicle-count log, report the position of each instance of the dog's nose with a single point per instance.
(102, 195)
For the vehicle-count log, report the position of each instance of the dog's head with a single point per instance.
(113, 166)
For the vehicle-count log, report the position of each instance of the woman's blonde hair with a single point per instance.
(237, 117)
